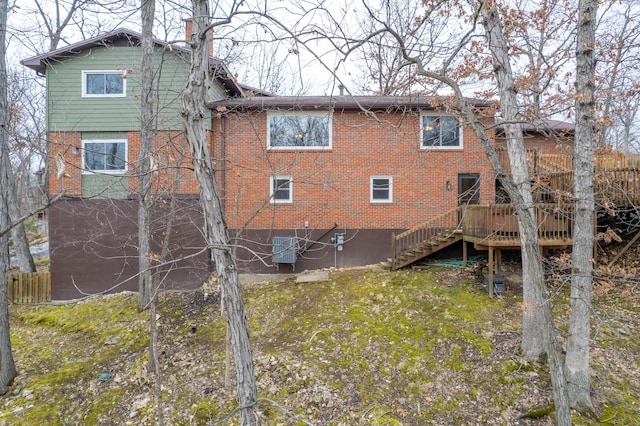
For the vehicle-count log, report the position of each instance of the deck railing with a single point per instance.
(532, 159)
(499, 222)
(554, 163)
(560, 163)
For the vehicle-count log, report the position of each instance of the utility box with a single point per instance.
(498, 284)
(285, 251)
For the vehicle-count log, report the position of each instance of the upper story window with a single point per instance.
(381, 189)
(281, 189)
(299, 130)
(440, 132)
(104, 156)
(104, 84)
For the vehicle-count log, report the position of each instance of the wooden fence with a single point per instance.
(29, 287)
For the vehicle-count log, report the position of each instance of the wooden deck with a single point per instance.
(494, 227)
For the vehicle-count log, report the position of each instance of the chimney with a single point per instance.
(189, 35)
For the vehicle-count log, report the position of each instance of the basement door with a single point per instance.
(468, 188)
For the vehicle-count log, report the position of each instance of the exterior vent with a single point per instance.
(284, 251)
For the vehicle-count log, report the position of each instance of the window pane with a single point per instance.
(114, 84)
(449, 130)
(93, 158)
(380, 189)
(430, 131)
(114, 156)
(104, 83)
(299, 130)
(95, 84)
(281, 189)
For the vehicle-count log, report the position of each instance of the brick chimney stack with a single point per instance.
(189, 34)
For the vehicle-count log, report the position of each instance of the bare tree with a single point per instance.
(194, 114)
(578, 341)
(58, 15)
(384, 69)
(535, 291)
(144, 158)
(7, 365)
(617, 75)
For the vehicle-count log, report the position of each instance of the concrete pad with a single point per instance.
(312, 277)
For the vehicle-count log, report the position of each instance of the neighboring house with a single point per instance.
(93, 104)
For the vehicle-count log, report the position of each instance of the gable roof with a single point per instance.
(125, 37)
(310, 103)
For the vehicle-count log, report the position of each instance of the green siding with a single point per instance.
(69, 111)
(104, 135)
(104, 186)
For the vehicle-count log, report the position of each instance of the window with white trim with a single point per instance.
(101, 84)
(299, 130)
(281, 189)
(104, 156)
(381, 189)
(440, 132)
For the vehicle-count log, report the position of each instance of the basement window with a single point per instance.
(281, 189)
(381, 189)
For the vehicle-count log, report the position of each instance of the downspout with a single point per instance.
(223, 161)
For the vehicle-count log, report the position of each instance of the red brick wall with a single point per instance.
(332, 186)
(545, 144)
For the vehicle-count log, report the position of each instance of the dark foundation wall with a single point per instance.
(314, 249)
(93, 246)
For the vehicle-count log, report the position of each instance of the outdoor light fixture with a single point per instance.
(448, 185)
(74, 150)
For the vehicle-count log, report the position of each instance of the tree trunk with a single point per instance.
(21, 248)
(144, 160)
(194, 114)
(537, 315)
(7, 365)
(18, 233)
(578, 342)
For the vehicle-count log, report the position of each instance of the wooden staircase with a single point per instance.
(425, 239)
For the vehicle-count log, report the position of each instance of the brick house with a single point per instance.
(307, 182)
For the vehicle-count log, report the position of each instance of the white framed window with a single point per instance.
(440, 132)
(104, 156)
(299, 130)
(281, 189)
(381, 189)
(104, 84)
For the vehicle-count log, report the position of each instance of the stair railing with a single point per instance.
(442, 225)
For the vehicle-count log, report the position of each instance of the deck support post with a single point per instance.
(464, 253)
(490, 265)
